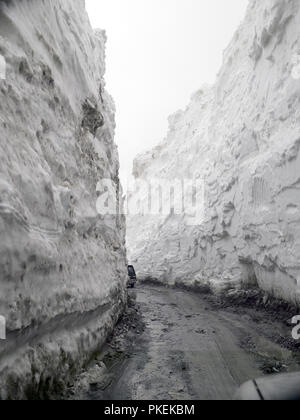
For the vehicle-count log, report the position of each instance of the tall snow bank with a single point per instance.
(242, 137)
(62, 266)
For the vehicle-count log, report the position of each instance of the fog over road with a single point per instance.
(190, 349)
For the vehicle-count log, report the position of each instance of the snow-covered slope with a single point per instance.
(242, 136)
(62, 266)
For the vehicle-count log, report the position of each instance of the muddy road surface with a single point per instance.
(177, 345)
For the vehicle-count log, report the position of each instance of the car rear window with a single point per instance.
(131, 271)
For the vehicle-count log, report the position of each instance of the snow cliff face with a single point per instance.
(242, 137)
(62, 265)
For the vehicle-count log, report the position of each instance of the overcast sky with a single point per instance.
(159, 52)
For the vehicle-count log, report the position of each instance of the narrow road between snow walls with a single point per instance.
(179, 345)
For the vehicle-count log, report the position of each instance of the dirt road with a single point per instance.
(181, 347)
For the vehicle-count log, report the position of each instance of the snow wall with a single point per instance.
(241, 139)
(62, 265)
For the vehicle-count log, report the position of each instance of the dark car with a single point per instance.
(132, 277)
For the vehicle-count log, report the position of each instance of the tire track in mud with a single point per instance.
(180, 347)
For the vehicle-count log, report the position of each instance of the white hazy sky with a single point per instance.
(159, 52)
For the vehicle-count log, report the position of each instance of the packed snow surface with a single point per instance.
(242, 138)
(62, 265)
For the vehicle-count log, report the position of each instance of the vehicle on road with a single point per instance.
(131, 277)
(275, 388)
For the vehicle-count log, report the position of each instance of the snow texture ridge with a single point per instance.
(62, 266)
(241, 135)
